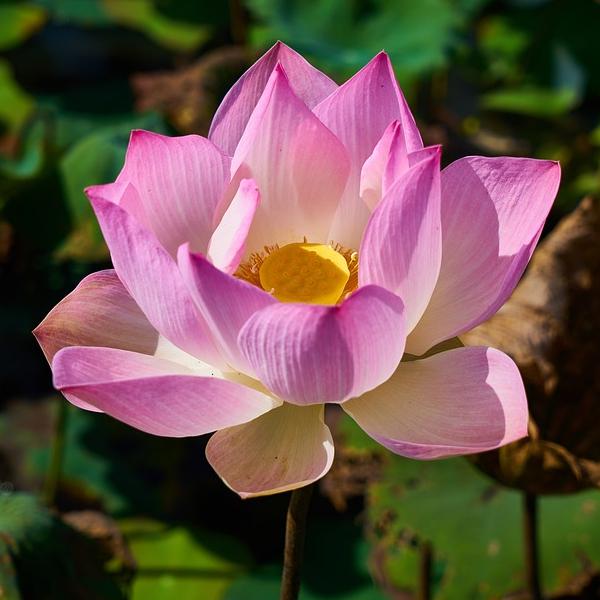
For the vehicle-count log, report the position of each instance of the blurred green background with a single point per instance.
(145, 518)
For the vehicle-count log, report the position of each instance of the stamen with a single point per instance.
(249, 270)
(351, 257)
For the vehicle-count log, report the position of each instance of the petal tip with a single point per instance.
(139, 135)
(41, 337)
(249, 186)
(382, 57)
(183, 251)
(93, 191)
(279, 75)
(280, 46)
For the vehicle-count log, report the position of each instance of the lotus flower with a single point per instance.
(309, 252)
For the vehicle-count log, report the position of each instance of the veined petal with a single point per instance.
(152, 278)
(493, 211)
(155, 395)
(225, 301)
(401, 248)
(308, 83)
(180, 181)
(423, 154)
(98, 312)
(228, 242)
(299, 165)
(285, 449)
(311, 354)
(388, 161)
(358, 112)
(460, 401)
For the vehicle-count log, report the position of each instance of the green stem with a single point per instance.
(57, 453)
(530, 532)
(426, 559)
(295, 534)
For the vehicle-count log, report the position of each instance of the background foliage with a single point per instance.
(141, 517)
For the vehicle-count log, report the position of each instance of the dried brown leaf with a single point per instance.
(190, 95)
(551, 328)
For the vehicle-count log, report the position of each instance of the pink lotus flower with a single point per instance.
(292, 260)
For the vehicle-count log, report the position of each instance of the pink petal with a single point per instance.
(402, 247)
(285, 449)
(457, 402)
(309, 84)
(299, 165)
(386, 164)
(98, 312)
(493, 210)
(423, 154)
(152, 278)
(124, 195)
(225, 301)
(155, 395)
(359, 112)
(309, 354)
(180, 181)
(228, 242)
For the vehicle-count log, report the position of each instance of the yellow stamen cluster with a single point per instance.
(303, 272)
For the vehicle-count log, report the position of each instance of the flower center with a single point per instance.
(303, 272)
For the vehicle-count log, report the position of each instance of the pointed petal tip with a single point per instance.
(183, 251)
(139, 132)
(249, 186)
(40, 333)
(91, 191)
(280, 46)
(138, 135)
(279, 72)
(383, 61)
(554, 165)
(380, 61)
(278, 81)
(394, 129)
(436, 152)
(108, 193)
(41, 337)
(431, 160)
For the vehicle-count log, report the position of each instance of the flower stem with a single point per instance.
(237, 18)
(57, 452)
(530, 531)
(426, 558)
(295, 533)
